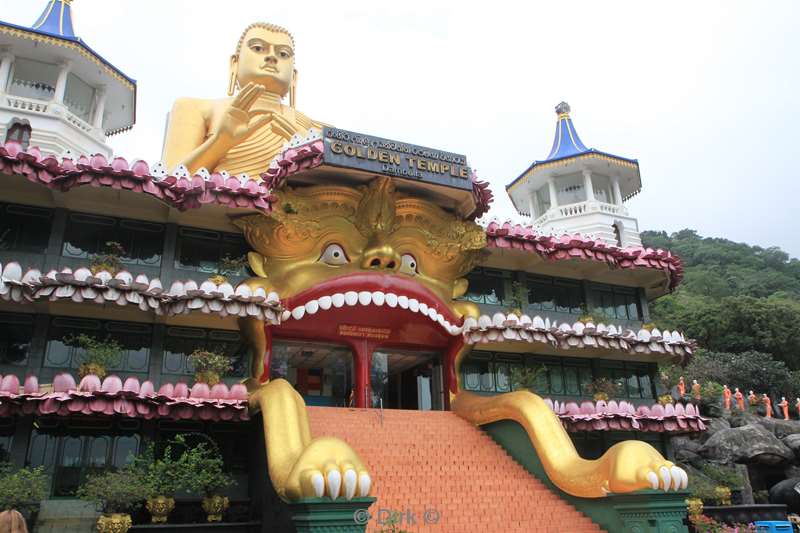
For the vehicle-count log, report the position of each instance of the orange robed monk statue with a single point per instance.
(739, 398)
(752, 400)
(768, 405)
(797, 404)
(696, 390)
(784, 405)
(681, 387)
(726, 397)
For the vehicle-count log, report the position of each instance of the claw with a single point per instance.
(677, 478)
(684, 482)
(653, 479)
(364, 484)
(334, 483)
(318, 482)
(665, 477)
(349, 484)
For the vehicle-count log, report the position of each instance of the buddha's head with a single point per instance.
(265, 56)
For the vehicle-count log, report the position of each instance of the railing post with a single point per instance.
(6, 60)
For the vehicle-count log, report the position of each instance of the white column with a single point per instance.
(61, 84)
(587, 184)
(617, 192)
(551, 185)
(100, 107)
(6, 60)
(532, 205)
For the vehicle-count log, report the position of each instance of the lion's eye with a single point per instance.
(334, 255)
(408, 265)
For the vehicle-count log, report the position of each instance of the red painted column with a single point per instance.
(267, 355)
(362, 362)
(450, 378)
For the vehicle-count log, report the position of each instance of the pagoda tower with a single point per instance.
(55, 91)
(578, 189)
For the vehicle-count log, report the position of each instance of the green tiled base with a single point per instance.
(322, 515)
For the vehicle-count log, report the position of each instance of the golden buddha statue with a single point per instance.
(244, 132)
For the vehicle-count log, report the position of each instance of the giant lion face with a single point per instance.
(325, 241)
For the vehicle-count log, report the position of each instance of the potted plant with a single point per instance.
(603, 389)
(209, 366)
(21, 491)
(586, 315)
(228, 266)
(518, 298)
(162, 477)
(115, 492)
(665, 399)
(204, 473)
(97, 355)
(526, 378)
(109, 259)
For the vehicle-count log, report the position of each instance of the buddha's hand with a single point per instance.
(238, 123)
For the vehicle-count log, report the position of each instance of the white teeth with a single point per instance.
(272, 297)
(285, 315)
(423, 308)
(312, 307)
(431, 312)
(325, 302)
(337, 299)
(391, 299)
(365, 297)
(402, 301)
(318, 482)
(413, 304)
(378, 298)
(298, 312)
(351, 298)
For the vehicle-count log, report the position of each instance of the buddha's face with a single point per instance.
(266, 58)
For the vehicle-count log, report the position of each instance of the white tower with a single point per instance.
(56, 92)
(578, 189)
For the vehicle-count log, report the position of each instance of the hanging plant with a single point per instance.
(209, 366)
(97, 355)
(109, 259)
(603, 389)
(526, 378)
(517, 298)
(229, 266)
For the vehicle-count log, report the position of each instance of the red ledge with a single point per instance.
(511, 236)
(179, 190)
(112, 397)
(615, 416)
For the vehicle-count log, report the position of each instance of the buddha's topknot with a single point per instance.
(266, 26)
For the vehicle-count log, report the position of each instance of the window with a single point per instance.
(85, 235)
(24, 228)
(552, 294)
(617, 233)
(16, 332)
(203, 251)
(620, 303)
(135, 339)
(69, 459)
(565, 376)
(79, 97)
(181, 342)
(486, 286)
(20, 133)
(33, 79)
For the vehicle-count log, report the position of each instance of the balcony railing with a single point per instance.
(580, 208)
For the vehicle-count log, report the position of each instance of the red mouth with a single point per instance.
(376, 290)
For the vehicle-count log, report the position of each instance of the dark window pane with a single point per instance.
(88, 234)
(556, 378)
(204, 250)
(125, 449)
(485, 287)
(16, 332)
(24, 229)
(181, 342)
(621, 305)
(633, 310)
(135, 340)
(571, 380)
(645, 384)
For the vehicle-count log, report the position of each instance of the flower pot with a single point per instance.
(92, 368)
(159, 508)
(218, 279)
(12, 521)
(598, 396)
(114, 523)
(694, 506)
(208, 377)
(723, 495)
(214, 506)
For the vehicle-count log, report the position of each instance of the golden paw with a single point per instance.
(635, 465)
(328, 467)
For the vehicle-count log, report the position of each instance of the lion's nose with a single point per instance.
(381, 258)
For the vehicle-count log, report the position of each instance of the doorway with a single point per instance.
(407, 380)
(321, 373)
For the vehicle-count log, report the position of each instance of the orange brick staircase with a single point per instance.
(434, 461)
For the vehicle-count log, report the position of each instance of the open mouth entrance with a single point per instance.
(404, 379)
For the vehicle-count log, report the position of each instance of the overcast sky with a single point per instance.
(704, 94)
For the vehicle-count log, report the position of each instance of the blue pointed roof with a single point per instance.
(56, 19)
(566, 142)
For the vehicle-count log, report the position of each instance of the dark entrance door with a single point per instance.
(406, 380)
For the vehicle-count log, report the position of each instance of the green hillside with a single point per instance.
(742, 305)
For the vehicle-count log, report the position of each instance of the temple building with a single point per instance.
(356, 279)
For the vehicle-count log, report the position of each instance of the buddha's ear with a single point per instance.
(293, 90)
(233, 73)
(257, 262)
(460, 287)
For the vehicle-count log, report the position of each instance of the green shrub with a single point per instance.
(114, 491)
(104, 353)
(203, 468)
(22, 489)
